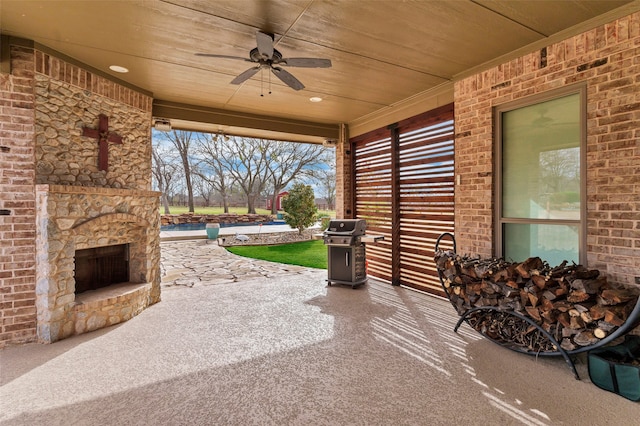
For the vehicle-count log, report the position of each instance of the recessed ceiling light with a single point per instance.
(118, 68)
(315, 99)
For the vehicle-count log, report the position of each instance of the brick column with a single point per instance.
(344, 209)
(17, 201)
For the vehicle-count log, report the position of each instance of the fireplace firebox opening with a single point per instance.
(100, 267)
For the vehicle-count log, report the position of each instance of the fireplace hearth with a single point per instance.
(100, 267)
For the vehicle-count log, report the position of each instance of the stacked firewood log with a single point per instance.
(576, 306)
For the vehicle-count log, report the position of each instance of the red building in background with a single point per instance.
(278, 201)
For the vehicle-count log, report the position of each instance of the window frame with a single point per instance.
(499, 221)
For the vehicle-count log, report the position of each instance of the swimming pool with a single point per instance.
(202, 226)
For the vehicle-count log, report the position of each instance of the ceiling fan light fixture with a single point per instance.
(315, 99)
(265, 56)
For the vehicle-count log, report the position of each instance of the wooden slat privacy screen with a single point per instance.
(403, 187)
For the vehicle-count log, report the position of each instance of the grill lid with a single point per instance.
(351, 227)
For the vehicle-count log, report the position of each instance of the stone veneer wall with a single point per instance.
(267, 238)
(74, 218)
(69, 98)
(607, 60)
(227, 218)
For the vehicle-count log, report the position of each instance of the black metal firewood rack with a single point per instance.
(546, 344)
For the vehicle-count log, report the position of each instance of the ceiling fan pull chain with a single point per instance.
(269, 83)
(261, 82)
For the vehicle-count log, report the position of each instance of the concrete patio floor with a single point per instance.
(282, 348)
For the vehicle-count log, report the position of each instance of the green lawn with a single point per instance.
(312, 253)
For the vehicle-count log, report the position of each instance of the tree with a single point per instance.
(560, 169)
(203, 187)
(164, 172)
(215, 159)
(300, 207)
(256, 167)
(181, 140)
(288, 161)
(327, 185)
(248, 166)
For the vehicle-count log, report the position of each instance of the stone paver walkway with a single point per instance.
(202, 262)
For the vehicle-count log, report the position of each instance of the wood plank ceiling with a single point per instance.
(383, 52)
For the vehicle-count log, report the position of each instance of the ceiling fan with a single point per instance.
(265, 56)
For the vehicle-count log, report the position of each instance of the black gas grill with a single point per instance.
(344, 232)
(346, 252)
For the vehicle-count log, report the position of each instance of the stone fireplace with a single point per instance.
(78, 225)
(90, 154)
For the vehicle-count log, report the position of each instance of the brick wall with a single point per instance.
(17, 202)
(607, 60)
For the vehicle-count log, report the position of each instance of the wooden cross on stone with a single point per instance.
(104, 137)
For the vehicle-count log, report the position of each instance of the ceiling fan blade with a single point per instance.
(213, 55)
(306, 62)
(265, 44)
(287, 78)
(245, 75)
